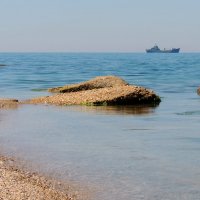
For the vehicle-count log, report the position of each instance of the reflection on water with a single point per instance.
(108, 110)
(115, 110)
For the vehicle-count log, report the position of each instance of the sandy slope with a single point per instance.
(16, 184)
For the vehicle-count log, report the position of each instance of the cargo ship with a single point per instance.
(156, 49)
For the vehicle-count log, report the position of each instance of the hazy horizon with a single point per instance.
(105, 26)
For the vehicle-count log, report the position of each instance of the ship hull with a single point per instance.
(163, 51)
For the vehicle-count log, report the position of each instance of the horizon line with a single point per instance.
(88, 52)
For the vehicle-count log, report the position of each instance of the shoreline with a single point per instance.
(19, 180)
(17, 184)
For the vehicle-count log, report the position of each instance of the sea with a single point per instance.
(115, 153)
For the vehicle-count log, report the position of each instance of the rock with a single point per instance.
(8, 103)
(116, 95)
(103, 90)
(96, 83)
(198, 91)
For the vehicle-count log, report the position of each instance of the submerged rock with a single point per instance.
(96, 83)
(106, 90)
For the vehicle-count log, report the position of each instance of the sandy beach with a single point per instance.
(17, 184)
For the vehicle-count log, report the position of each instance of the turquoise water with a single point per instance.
(119, 152)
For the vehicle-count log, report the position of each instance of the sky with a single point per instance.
(98, 25)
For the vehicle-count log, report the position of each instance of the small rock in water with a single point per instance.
(8, 103)
(198, 91)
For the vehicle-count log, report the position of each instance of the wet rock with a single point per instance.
(6, 103)
(118, 95)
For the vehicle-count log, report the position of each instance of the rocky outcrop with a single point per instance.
(122, 95)
(106, 90)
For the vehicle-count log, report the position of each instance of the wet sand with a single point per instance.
(18, 184)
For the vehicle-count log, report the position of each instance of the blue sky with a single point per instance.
(99, 26)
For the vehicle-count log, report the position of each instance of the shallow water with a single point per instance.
(120, 152)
